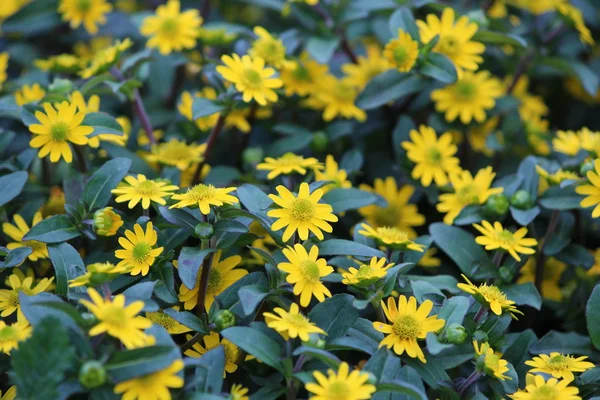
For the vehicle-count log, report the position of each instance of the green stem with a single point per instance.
(468, 382)
(210, 142)
(541, 260)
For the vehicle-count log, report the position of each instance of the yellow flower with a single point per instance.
(204, 196)
(332, 172)
(429, 259)
(454, 39)
(90, 13)
(399, 213)
(553, 270)
(407, 323)
(490, 296)
(250, 77)
(305, 270)
(496, 237)
(105, 59)
(497, 9)
(469, 97)
(566, 142)
(29, 94)
(222, 274)
(59, 127)
(118, 320)
(10, 394)
(287, 164)
(93, 105)
(433, 156)
(167, 322)
(302, 76)
(301, 213)
(143, 190)
(530, 106)
(538, 388)
(238, 392)
(467, 191)
(342, 384)
(107, 222)
(86, 51)
(401, 52)
(62, 63)
(55, 204)
(291, 324)
(177, 153)
(187, 102)
(574, 15)
(477, 135)
(558, 365)
(366, 274)
(590, 141)
(367, 68)
(171, 30)
(556, 177)
(97, 273)
(391, 237)
(9, 298)
(592, 191)
(268, 48)
(39, 251)
(3, 66)
(212, 341)
(138, 252)
(537, 131)
(336, 98)
(11, 335)
(493, 364)
(154, 386)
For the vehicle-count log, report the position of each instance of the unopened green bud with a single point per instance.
(372, 378)
(253, 155)
(316, 342)
(92, 374)
(60, 86)
(107, 222)
(497, 205)
(521, 200)
(456, 334)
(89, 319)
(224, 319)
(480, 336)
(319, 142)
(506, 274)
(586, 167)
(204, 230)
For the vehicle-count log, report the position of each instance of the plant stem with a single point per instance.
(210, 142)
(46, 171)
(541, 262)
(347, 49)
(520, 70)
(498, 258)
(146, 212)
(204, 274)
(195, 339)
(106, 291)
(468, 382)
(80, 155)
(480, 314)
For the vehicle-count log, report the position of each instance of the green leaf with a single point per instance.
(439, 67)
(592, 316)
(55, 229)
(340, 247)
(102, 123)
(570, 67)
(230, 299)
(388, 87)
(67, 265)
(523, 294)
(37, 308)
(431, 372)
(403, 19)
(524, 217)
(566, 343)
(557, 198)
(190, 259)
(129, 364)
(251, 296)
(138, 165)
(15, 257)
(361, 337)
(179, 217)
(335, 315)
(203, 107)
(34, 18)
(254, 342)
(230, 225)
(12, 185)
(453, 311)
(209, 375)
(328, 358)
(484, 36)
(321, 49)
(187, 318)
(97, 191)
(344, 199)
(293, 143)
(577, 255)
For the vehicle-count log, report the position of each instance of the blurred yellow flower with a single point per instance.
(332, 172)
(153, 386)
(401, 52)
(268, 48)
(39, 251)
(492, 362)
(367, 67)
(366, 274)
(490, 296)
(342, 384)
(29, 94)
(177, 153)
(89, 13)
(211, 341)
(11, 335)
(287, 164)
(537, 387)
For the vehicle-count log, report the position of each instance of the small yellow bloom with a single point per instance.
(490, 296)
(143, 190)
(62, 63)
(401, 52)
(167, 322)
(492, 362)
(118, 320)
(105, 59)
(96, 274)
(366, 274)
(496, 237)
(287, 164)
(11, 335)
(39, 251)
(591, 190)
(55, 204)
(89, 13)
(556, 177)
(9, 298)
(3, 67)
(538, 388)
(553, 270)
(107, 222)
(138, 252)
(336, 97)
(530, 107)
(187, 103)
(154, 386)
(268, 48)
(566, 142)
(203, 196)
(305, 270)
(302, 213)
(302, 76)
(367, 68)
(332, 172)
(212, 341)
(391, 237)
(170, 29)
(342, 384)
(291, 324)
(177, 153)
(558, 365)
(238, 392)
(29, 94)
(407, 323)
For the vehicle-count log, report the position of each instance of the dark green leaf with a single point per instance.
(55, 229)
(180, 217)
(576, 254)
(67, 265)
(566, 343)
(321, 49)
(340, 247)
(97, 191)
(499, 38)
(188, 319)
(209, 375)
(524, 217)
(344, 199)
(592, 316)
(328, 358)
(102, 123)
(335, 315)
(557, 198)
(12, 185)
(251, 296)
(190, 259)
(439, 67)
(294, 143)
(203, 107)
(15, 257)
(403, 19)
(254, 342)
(129, 364)
(388, 87)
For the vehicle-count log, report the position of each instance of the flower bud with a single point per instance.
(89, 319)
(107, 222)
(497, 205)
(586, 167)
(60, 86)
(224, 319)
(372, 378)
(204, 230)
(316, 342)
(319, 142)
(456, 334)
(92, 374)
(521, 200)
(253, 155)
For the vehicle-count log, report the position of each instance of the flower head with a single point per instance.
(291, 324)
(177, 153)
(342, 384)
(490, 296)
(407, 323)
(107, 222)
(401, 52)
(553, 270)
(9, 298)
(153, 386)
(16, 232)
(591, 190)
(3, 67)
(170, 29)
(89, 13)
(559, 365)
(490, 362)
(105, 59)
(336, 97)
(238, 392)
(96, 274)
(167, 322)
(204, 196)
(302, 213)
(138, 252)
(187, 103)
(538, 388)
(287, 164)
(567, 142)
(366, 274)
(62, 63)
(391, 237)
(496, 237)
(143, 190)
(302, 76)
(268, 48)
(305, 270)
(556, 177)
(366, 68)
(11, 335)
(29, 94)
(211, 341)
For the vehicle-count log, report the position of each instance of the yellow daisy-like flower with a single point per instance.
(399, 213)
(222, 274)
(97, 273)
(10, 394)
(490, 296)
(305, 270)
(39, 251)
(89, 13)
(143, 190)
(332, 172)
(238, 392)
(530, 106)
(434, 158)
(366, 274)
(336, 98)
(11, 335)
(105, 59)
(251, 78)
(366, 68)
(574, 15)
(492, 362)
(203, 196)
(566, 142)
(187, 103)
(553, 270)
(496, 237)
(170, 29)
(212, 341)
(3, 67)
(138, 252)
(177, 153)
(268, 48)
(302, 213)
(454, 39)
(467, 191)
(167, 322)
(342, 384)
(302, 76)
(118, 320)
(291, 324)
(401, 52)
(55, 204)
(556, 177)
(59, 126)
(287, 164)
(86, 51)
(62, 63)
(407, 323)
(107, 222)
(391, 237)
(154, 386)
(590, 140)
(29, 94)
(538, 388)
(469, 97)
(592, 191)
(9, 298)
(558, 365)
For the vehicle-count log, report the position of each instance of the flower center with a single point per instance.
(492, 361)
(448, 44)
(465, 90)
(558, 363)
(169, 26)
(406, 327)
(214, 281)
(338, 390)
(84, 5)
(115, 316)
(506, 238)
(163, 320)
(343, 91)
(388, 216)
(434, 155)
(297, 320)
(492, 293)
(400, 55)
(303, 210)
(8, 334)
(13, 298)
(544, 393)
(202, 192)
(253, 78)
(146, 188)
(392, 234)
(301, 73)
(468, 194)
(141, 251)
(310, 271)
(59, 132)
(231, 352)
(365, 271)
